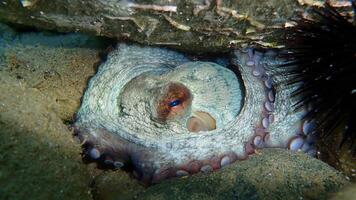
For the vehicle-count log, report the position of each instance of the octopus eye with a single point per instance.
(174, 103)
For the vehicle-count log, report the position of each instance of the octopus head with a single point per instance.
(193, 97)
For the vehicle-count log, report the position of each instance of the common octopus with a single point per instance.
(160, 114)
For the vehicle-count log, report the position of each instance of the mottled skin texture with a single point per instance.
(156, 113)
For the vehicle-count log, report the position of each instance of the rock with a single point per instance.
(195, 26)
(346, 194)
(42, 78)
(338, 156)
(113, 185)
(271, 174)
(39, 158)
(58, 66)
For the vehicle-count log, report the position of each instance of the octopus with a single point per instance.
(161, 114)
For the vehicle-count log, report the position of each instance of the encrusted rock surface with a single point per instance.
(194, 25)
(270, 174)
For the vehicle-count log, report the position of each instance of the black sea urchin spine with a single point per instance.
(321, 58)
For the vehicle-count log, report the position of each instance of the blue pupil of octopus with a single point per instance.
(174, 103)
